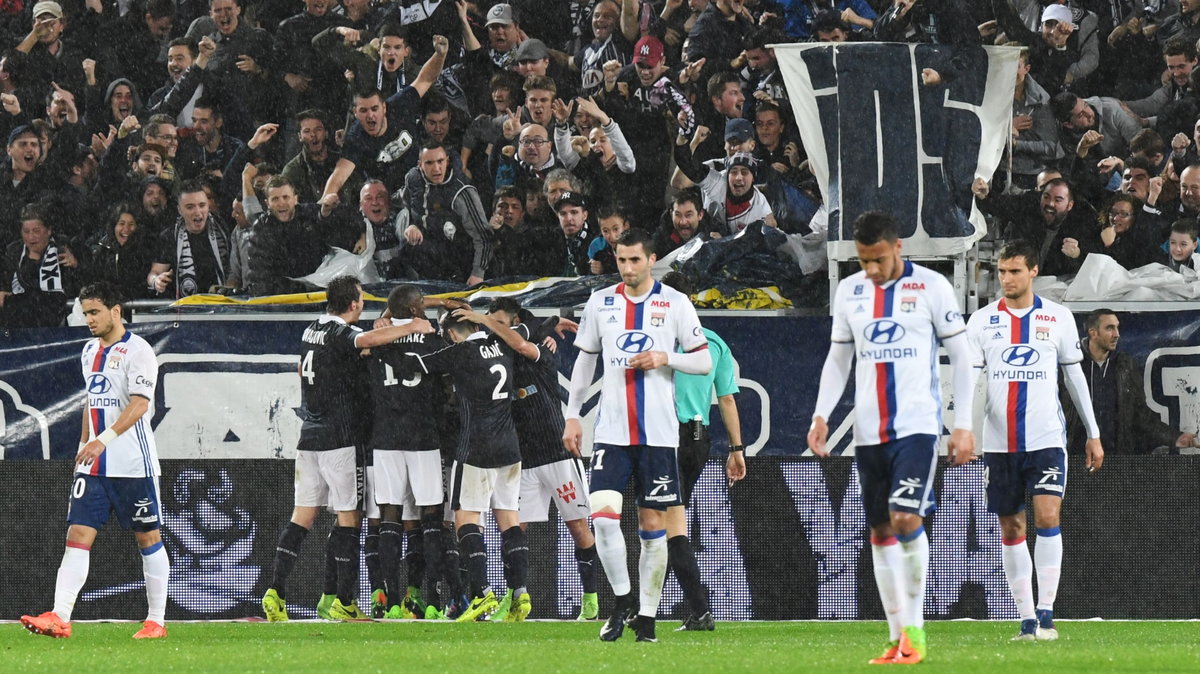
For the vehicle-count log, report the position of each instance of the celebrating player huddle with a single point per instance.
(373, 441)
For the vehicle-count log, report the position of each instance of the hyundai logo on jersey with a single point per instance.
(1020, 355)
(98, 384)
(884, 332)
(635, 342)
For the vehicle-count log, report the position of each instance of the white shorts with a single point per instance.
(411, 513)
(328, 478)
(477, 489)
(370, 505)
(408, 477)
(562, 482)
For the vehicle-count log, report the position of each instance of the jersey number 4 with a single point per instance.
(306, 367)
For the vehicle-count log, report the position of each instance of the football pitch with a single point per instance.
(537, 647)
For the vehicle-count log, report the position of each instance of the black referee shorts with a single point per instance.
(694, 447)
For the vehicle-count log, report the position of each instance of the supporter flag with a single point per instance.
(878, 139)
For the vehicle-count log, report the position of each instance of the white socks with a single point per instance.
(610, 547)
(1018, 569)
(910, 576)
(156, 567)
(1047, 556)
(652, 570)
(71, 576)
(886, 557)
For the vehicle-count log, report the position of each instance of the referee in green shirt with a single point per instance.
(693, 399)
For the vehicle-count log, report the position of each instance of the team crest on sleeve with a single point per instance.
(908, 304)
(1042, 334)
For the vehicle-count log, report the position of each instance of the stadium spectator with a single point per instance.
(208, 149)
(1181, 250)
(1035, 131)
(609, 43)
(578, 232)
(241, 64)
(1127, 426)
(521, 247)
(602, 252)
(1093, 122)
(1046, 219)
(448, 236)
(683, 221)
(193, 255)
(310, 169)
(375, 208)
(286, 241)
(390, 71)
(123, 256)
(729, 194)
(607, 165)
(1121, 235)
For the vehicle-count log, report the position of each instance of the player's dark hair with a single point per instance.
(874, 226)
(460, 325)
(509, 305)
(1186, 226)
(341, 293)
(1020, 248)
(405, 301)
(679, 282)
(1093, 318)
(636, 235)
(103, 292)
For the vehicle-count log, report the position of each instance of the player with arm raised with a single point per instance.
(1019, 341)
(332, 381)
(487, 464)
(635, 327)
(891, 316)
(116, 469)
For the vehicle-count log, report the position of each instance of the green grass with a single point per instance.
(536, 648)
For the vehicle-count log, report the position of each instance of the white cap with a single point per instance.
(1059, 13)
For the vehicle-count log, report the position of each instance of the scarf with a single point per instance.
(400, 83)
(185, 263)
(49, 271)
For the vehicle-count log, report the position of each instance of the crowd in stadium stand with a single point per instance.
(191, 146)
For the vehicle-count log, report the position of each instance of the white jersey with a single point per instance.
(637, 407)
(895, 329)
(111, 375)
(1020, 351)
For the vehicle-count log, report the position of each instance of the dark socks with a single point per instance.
(286, 554)
(371, 555)
(515, 551)
(391, 536)
(474, 553)
(683, 562)
(452, 562)
(431, 540)
(329, 581)
(344, 541)
(587, 560)
(414, 557)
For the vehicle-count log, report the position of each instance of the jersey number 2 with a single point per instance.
(498, 393)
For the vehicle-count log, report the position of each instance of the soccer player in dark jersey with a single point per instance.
(487, 466)
(331, 381)
(408, 460)
(548, 471)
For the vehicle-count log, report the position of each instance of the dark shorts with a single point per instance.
(1006, 478)
(133, 499)
(694, 447)
(654, 470)
(897, 475)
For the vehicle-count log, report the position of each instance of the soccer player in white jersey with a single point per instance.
(890, 316)
(116, 468)
(635, 327)
(1020, 341)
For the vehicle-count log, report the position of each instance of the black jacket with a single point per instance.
(1138, 430)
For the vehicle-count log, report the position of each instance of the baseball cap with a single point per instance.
(502, 13)
(52, 8)
(738, 130)
(570, 199)
(648, 51)
(21, 131)
(532, 49)
(742, 159)
(1059, 13)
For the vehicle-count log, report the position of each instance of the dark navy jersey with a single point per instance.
(482, 367)
(334, 404)
(406, 401)
(388, 157)
(537, 407)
